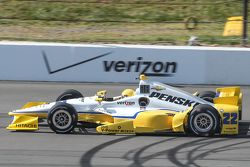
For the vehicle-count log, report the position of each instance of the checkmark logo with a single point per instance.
(46, 61)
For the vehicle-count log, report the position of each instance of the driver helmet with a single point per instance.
(128, 92)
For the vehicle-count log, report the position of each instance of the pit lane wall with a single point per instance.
(123, 63)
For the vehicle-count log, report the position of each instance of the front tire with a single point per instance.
(62, 118)
(204, 120)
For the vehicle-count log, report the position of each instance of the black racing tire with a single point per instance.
(207, 95)
(69, 94)
(62, 118)
(204, 120)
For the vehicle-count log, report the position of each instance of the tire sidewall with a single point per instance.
(71, 112)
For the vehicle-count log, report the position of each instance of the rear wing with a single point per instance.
(229, 95)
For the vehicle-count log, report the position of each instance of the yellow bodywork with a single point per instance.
(147, 122)
(23, 122)
(229, 95)
(33, 104)
(124, 127)
(229, 105)
(151, 121)
(226, 112)
(101, 93)
(27, 121)
(96, 118)
(179, 121)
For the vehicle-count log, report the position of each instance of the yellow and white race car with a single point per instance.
(152, 108)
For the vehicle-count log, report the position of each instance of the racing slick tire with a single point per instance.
(207, 95)
(69, 94)
(62, 118)
(204, 120)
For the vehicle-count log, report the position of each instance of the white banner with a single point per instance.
(123, 63)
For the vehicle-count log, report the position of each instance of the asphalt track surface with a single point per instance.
(44, 148)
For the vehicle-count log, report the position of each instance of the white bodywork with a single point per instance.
(160, 96)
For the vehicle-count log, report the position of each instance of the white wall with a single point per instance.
(193, 65)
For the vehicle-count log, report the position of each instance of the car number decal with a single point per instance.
(230, 118)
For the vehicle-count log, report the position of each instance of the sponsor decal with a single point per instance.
(230, 128)
(26, 126)
(173, 99)
(118, 130)
(149, 68)
(127, 103)
(104, 128)
(230, 118)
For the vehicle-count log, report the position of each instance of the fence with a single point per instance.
(123, 63)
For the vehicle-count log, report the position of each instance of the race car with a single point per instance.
(153, 107)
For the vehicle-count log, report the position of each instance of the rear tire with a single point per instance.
(204, 120)
(69, 94)
(62, 118)
(207, 95)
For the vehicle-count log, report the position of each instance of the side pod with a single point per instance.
(145, 122)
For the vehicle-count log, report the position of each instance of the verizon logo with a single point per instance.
(127, 103)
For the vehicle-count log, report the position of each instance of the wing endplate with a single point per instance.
(24, 123)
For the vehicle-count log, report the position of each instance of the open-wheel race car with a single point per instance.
(152, 108)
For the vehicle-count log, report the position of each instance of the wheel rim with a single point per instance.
(61, 119)
(203, 122)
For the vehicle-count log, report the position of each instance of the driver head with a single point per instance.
(128, 92)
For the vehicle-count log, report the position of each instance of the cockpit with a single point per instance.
(101, 95)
